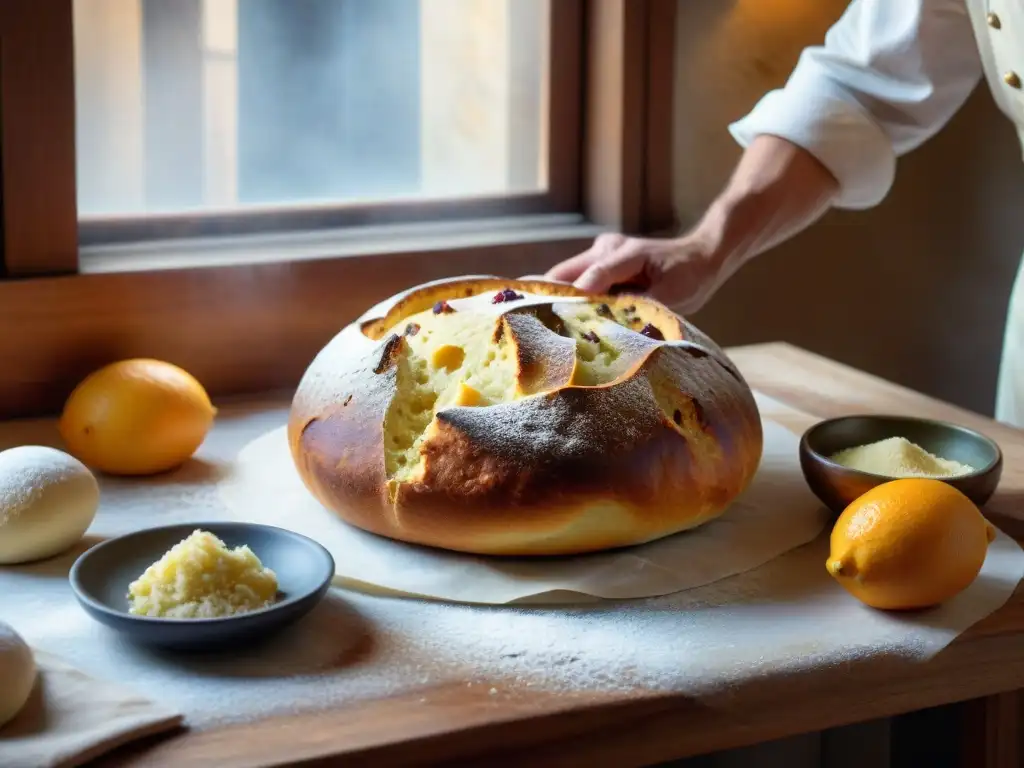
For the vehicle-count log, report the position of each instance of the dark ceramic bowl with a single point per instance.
(837, 485)
(101, 576)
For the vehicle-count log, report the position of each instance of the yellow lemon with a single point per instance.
(136, 417)
(908, 544)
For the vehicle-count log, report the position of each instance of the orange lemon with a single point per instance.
(908, 544)
(136, 417)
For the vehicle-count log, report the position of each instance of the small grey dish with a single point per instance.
(836, 486)
(101, 576)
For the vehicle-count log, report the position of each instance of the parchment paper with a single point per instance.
(774, 515)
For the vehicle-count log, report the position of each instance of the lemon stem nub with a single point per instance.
(841, 568)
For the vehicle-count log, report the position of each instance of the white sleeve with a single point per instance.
(889, 75)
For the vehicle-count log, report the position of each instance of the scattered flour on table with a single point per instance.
(355, 647)
(784, 616)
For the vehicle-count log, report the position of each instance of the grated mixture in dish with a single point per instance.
(200, 578)
(898, 457)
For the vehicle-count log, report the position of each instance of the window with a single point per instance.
(195, 180)
(347, 110)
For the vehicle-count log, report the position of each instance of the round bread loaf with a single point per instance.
(512, 417)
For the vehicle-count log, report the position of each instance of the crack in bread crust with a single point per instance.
(536, 422)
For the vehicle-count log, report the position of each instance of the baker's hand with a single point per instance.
(681, 272)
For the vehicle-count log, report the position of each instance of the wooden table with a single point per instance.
(453, 723)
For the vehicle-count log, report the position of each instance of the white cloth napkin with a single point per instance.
(72, 718)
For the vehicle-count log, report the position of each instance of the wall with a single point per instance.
(914, 290)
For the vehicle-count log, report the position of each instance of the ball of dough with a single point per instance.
(17, 671)
(48, 499)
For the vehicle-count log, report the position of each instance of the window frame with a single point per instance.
(37, 138)
(245, 328)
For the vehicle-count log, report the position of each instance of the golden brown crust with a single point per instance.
(544, 361)
(338, 449)
(665, 442)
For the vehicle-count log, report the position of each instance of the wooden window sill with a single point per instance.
(376, 241)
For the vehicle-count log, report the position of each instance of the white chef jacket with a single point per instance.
(889, 75)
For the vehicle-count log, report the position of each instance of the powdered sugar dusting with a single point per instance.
(483, 303)
(384, 306)
(710, 642)
(345, 358)
(355, 647)
(536, 424)
(26, 471)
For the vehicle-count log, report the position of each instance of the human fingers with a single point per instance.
(625, 265)
(570, 269)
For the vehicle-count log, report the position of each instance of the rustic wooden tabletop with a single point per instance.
(451, 722)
